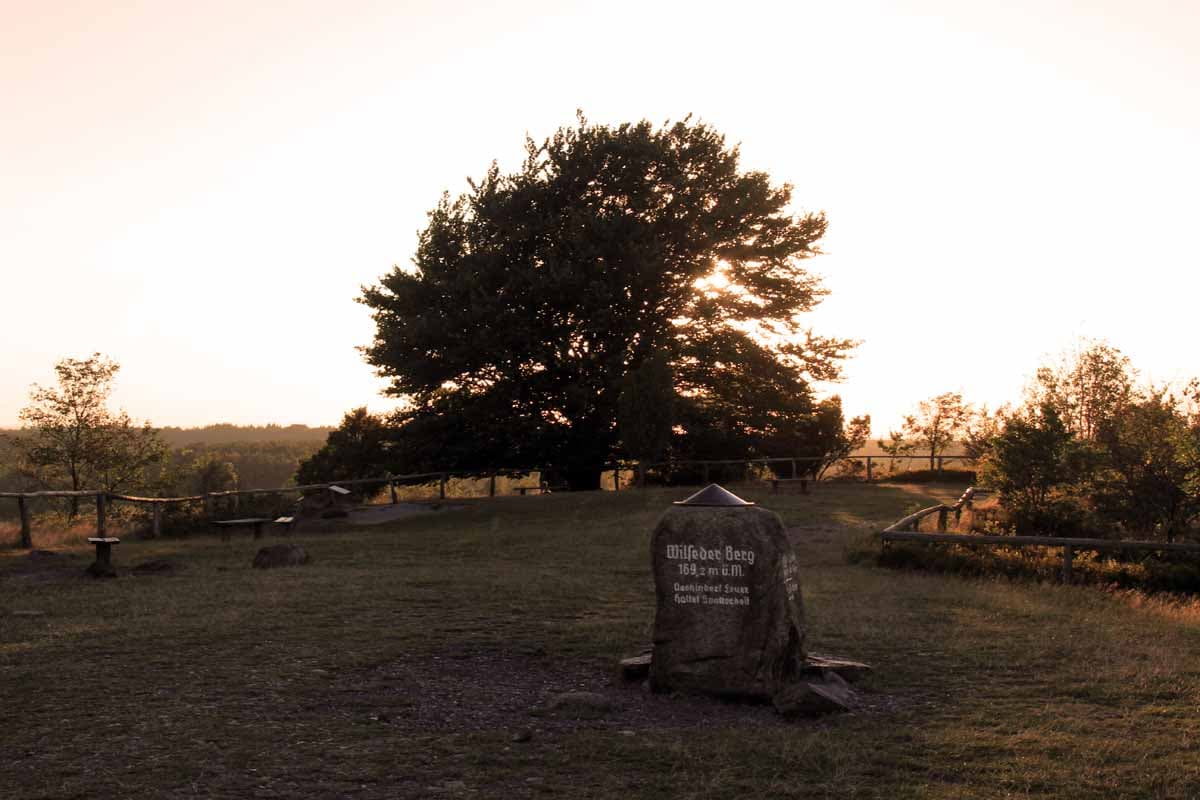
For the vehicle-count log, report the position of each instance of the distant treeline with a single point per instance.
(209, 458)
(224, 433)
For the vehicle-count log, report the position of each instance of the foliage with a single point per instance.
(937, 421)
(1033, 459)
(1150, 481)
(1086, 387)
(822, 436)
(214, 474)
(981, 429)
(358, 448)
(533, 296)
(73, 441)
(645, 412)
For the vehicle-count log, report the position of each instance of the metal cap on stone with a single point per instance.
(714, 495)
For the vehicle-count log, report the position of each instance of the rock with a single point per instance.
(852, 671)
(730, 620)
(281, 555)
(817, 696)
(636, 668)
(155, 567)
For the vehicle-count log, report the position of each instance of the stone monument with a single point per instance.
(730, 619)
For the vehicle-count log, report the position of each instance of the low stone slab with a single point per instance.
(823, 695)
(281, 555)
(852, 671)
(636, 668)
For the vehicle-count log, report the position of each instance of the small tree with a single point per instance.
(73, 441)
(981, 429)
(214, 474)
(359, 448)
(1031, 457)
(1150, 481)
(937, 421)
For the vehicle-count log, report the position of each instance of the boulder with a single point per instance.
(729, 619)
(280, 555)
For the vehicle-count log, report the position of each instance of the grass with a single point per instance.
(401, 662)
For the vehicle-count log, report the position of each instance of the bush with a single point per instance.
(965, 476)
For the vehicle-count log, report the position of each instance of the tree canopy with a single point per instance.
(74, 441)
(533, 297)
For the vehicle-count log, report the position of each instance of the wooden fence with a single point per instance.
(904, 530)
(798, 466)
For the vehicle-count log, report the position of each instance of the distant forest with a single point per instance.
(258, 457)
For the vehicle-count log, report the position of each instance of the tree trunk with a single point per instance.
(582, 479)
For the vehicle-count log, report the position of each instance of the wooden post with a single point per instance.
(26, 527)
(442, 486)
(1068, 552)
(156, 531)
(616, 479)
(943, 514)
(868, 469)
(492, 485)
(392, 488)
(101, 522)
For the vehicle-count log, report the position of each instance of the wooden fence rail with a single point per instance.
(442, 478)
(904, 531)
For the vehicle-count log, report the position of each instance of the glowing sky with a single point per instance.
(199, 189)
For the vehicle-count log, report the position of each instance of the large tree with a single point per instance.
(534, 295)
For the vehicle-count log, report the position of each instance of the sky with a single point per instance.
(200, 190)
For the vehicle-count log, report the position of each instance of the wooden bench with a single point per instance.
(252, 522)
(775, 482)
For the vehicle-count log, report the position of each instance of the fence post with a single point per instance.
(1068, 552)
(392, 488)
(617, 478)
(868, 469)
(492, 484)
(442, 486)
(943, 515)
(26, 527)
(156, 530)
(101, 522)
